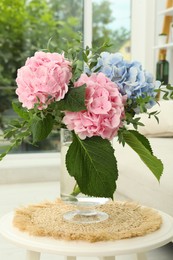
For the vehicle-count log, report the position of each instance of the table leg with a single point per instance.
(141, 256)
(31, 255)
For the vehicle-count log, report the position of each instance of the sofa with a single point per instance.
(135, 181)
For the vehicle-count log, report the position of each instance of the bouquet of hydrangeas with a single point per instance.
(96, 102)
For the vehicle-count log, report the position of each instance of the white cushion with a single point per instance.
(138, 183)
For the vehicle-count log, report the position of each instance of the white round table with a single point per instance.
(71, 249)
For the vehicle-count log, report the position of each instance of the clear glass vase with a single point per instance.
(85, 211)
(67, 183)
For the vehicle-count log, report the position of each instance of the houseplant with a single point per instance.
(95, 105)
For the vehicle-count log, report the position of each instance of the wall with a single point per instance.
(143, 26)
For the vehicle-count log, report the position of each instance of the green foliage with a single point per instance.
(167, 92)
(17, 131)
(154, 113)
(11, 38)
(5, 98)
(74, 100)
(19, 110)
(141, 146)
(41, 127)
(139, 103)
(91, 161)
(26, 26)
(93, 164)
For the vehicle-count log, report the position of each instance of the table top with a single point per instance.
(80, 248)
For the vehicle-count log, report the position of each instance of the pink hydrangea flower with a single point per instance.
(43, 79)
(105, 108)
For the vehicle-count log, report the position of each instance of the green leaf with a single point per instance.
(142, 139)
(85, 58)
(9, 148)
(141, 146)
(93, 165)
(18, 137)
(74, 100)
(41, 127)
(167, 92)
(87, 50)
(22, 112)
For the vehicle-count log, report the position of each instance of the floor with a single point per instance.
(13, 196)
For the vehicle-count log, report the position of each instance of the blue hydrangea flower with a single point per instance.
(132, 80)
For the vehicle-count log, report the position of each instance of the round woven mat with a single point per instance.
(125, 220)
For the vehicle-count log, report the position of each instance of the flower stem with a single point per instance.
(76, 190)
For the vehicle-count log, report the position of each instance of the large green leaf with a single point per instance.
(74, 100)
(142, 139)
(93, 165)
(41, 127)
(141, 146)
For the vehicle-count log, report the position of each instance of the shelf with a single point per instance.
(165, 46)
(167, 12)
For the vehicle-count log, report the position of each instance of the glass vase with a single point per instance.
(67, 182)
(85, 211)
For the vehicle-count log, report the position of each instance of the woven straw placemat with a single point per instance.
(125, 220)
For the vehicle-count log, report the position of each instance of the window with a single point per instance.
(26, 26)
(111, 21)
